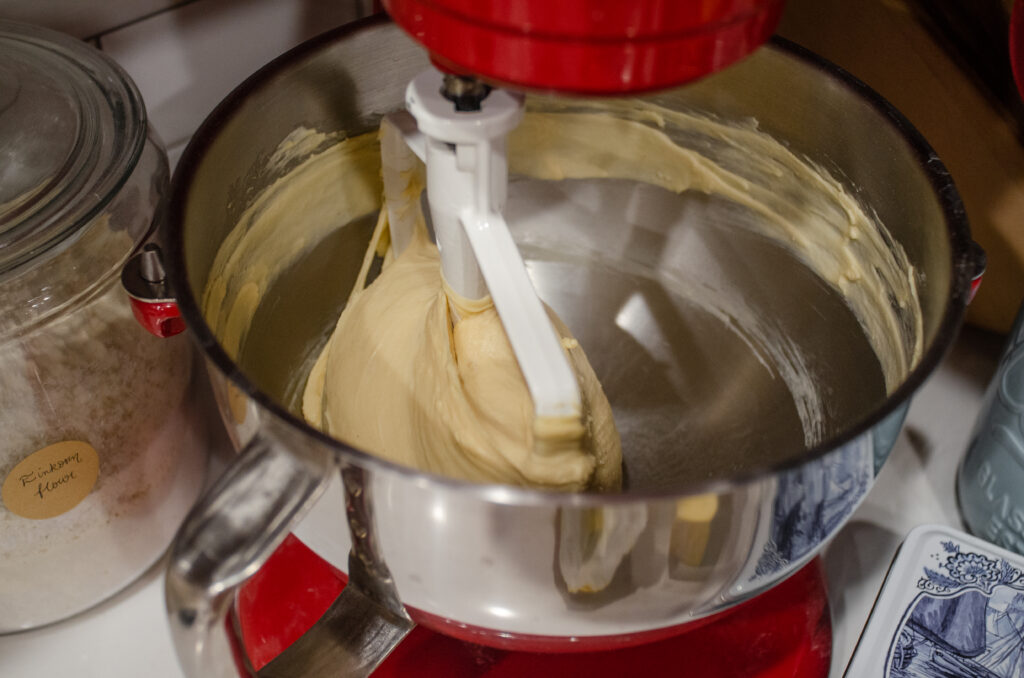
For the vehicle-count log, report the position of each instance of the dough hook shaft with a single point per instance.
(467, 180)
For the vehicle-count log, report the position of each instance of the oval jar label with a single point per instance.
(51, 481)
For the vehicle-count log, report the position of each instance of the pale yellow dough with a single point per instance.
(401, 378)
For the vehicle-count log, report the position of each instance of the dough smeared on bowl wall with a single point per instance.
(444, 373)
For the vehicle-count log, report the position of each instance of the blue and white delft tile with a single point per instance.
(952, 606)
(811, 504)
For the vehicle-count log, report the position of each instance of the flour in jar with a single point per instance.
(92, 375)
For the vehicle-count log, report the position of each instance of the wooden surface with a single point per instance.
(882, 43)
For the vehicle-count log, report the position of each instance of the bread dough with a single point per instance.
(415, 374)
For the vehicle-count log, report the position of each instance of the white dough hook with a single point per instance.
(467, 181)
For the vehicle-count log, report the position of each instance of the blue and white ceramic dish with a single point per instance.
(952, 606)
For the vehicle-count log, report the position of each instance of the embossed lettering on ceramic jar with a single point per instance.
(101, 453)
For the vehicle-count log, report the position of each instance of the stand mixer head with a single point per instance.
(592, 47)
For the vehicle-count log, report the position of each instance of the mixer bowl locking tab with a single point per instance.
(153, 304)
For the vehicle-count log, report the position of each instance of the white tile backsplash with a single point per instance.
(81, 18)
(186, 60)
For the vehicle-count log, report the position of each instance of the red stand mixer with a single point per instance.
(784, 633)
(585, 48)
(752, 601)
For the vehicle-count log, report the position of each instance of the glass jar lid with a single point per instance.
(72, 128)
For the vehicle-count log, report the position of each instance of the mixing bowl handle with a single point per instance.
(366, 621)
(360, 628)
(228, 535)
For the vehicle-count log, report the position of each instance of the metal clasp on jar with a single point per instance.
(145, 280)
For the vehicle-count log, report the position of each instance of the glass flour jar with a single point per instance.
(102, 450)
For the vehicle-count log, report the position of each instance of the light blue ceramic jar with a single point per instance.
(990, 484)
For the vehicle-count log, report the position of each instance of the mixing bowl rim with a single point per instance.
(958, 232)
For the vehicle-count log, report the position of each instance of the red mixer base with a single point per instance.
(783, 633)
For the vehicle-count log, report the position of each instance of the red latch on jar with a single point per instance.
(145, 281)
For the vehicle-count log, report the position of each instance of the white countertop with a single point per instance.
(127, 636)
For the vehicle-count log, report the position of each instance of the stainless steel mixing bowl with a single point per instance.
(724, 496)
